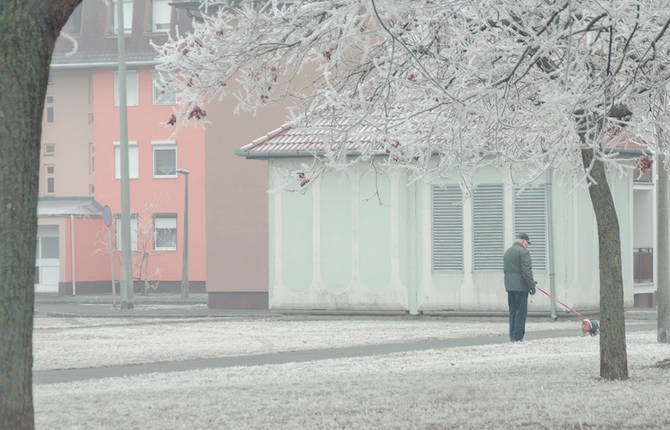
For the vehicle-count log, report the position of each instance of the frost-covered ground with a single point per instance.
(95, 342)
(549, 383)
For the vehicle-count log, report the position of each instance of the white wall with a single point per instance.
(332, 248)
(643, 218)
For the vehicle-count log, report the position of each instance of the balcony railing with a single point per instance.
(643, 265)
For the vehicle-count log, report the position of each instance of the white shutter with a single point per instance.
(133, 160)
(488, 213)
(132, 88)
(133, 231)
(447, 234)
(530, 218)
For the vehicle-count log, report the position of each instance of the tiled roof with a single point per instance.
(297, 139)
(300, 139)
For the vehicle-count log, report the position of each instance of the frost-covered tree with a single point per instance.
(447, 86)
(28, 30)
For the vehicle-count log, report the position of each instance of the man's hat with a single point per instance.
(524, 236)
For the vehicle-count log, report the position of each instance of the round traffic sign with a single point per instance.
(107, 215)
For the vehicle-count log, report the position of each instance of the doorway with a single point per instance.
(47, 259)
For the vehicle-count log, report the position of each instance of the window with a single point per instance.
(48, 247)
(530, 217)
(164, 89)
(127, 17)
(50, 179)
(160, 14)
(73, 24)
(165, 159)
(488, 227)
(131, 88)
(50, 109)
(49, 149)
(643, 175)
(133, 154)
(165, 232)
(447, 228)
(133, 231)
(91, 158)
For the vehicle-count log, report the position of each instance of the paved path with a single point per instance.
(71, 375)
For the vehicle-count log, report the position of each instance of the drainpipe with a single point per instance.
(72, 257)
(550, 238)
(413, 278)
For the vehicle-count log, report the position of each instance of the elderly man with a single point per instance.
(519, 283)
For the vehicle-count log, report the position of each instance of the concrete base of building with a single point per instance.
(105, 287)
(646, 300)
(237, 300)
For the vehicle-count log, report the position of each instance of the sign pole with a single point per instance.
(107, 217)
(111, 263)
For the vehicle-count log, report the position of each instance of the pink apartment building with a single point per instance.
(227, 197)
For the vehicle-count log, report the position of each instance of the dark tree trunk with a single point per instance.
(28, 30)
(613, 358)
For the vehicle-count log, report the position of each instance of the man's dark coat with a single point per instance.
(518, 269)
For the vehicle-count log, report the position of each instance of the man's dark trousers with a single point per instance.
(518, 308)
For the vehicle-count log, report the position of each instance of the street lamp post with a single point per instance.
(126, 257)
(184, 269)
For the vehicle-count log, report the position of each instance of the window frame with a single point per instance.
(154, 29)
(50, 179)
(155, 233)
(113, 19)
(134, 228)
(164, 145)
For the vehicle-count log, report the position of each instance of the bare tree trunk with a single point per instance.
(613, 358)
(146, 273)
(29, 31)
(663, 253)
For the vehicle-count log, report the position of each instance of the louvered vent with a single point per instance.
(447, 228)
(530, 217)
(488, 220)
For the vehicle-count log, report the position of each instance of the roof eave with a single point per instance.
(100, 64)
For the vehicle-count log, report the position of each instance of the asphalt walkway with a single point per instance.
(71, 375)
(172, 306)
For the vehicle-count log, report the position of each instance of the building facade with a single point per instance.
(426, 247)
(80, 168)
(80, 158)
